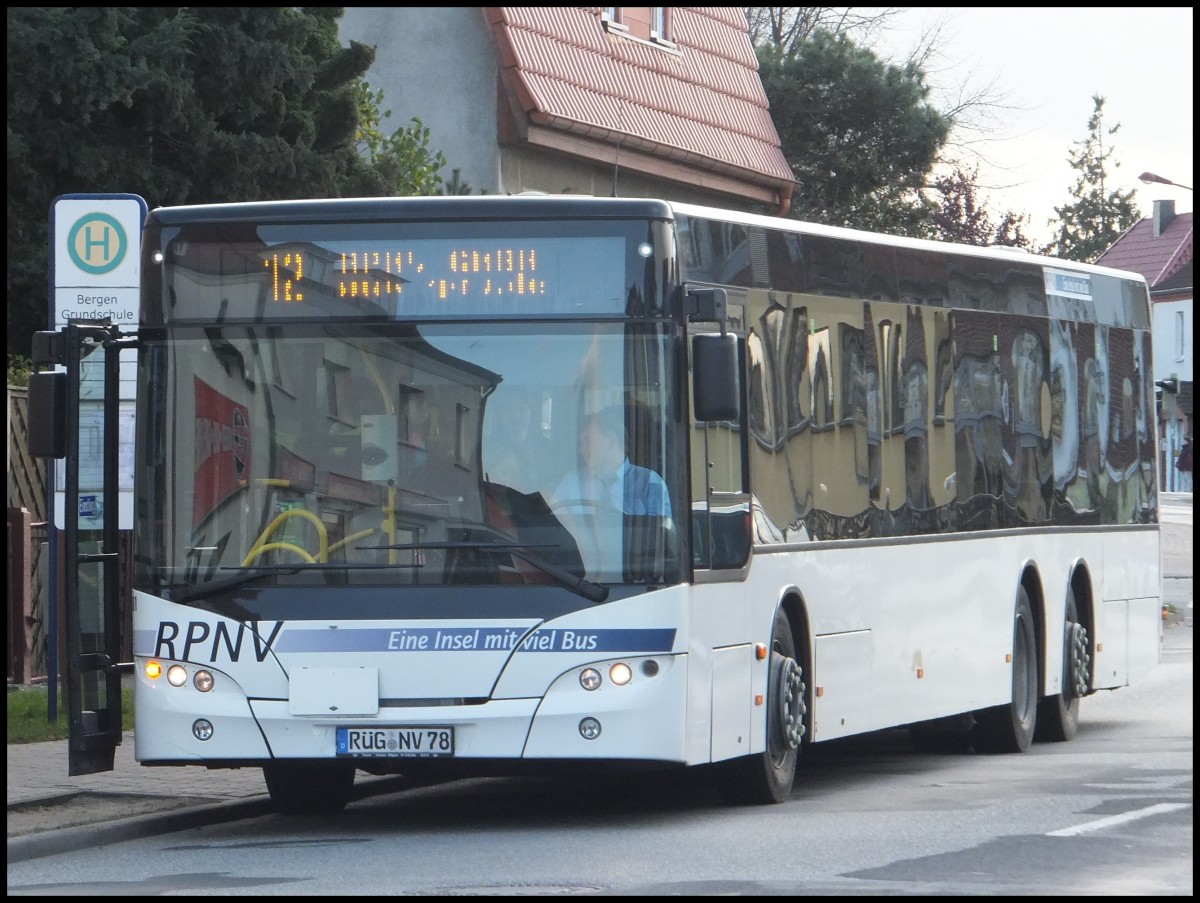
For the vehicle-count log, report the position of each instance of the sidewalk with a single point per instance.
(49, 812)
(1176, 538)
(38, 772)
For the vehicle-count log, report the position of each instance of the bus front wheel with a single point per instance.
(309, 788)
(1010, 727)
(767, 777)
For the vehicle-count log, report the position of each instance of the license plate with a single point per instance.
(409, 742)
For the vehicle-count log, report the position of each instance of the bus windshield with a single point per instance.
(405, 455)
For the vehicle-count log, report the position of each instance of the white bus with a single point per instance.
(861, 482)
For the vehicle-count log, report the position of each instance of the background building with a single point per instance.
(605, 101)
(1160, 248)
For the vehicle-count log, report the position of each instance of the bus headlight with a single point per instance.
(589, 679)
(589, 728)
(177, 675)
(620, 674)
(202, 729)
(203, 681)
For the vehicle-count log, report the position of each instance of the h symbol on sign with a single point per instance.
(102, 243)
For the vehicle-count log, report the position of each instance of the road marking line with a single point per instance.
(1117, 819)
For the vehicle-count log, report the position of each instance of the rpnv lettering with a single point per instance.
(196, 645)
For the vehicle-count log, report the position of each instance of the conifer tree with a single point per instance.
(1098, 215)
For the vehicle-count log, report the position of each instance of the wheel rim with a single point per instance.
(789, 705)
(1078, 662)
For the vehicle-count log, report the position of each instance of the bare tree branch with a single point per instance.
(786, 27)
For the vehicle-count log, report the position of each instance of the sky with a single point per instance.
(1048, 63)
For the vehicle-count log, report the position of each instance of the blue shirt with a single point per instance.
(632, 489)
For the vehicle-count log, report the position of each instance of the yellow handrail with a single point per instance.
(259, 544)
(388, 525)
(353, 536)
(282, 546)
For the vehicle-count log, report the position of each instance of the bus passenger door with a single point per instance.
(721, 541)
(83, 429)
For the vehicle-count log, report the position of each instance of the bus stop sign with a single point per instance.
(97, 260)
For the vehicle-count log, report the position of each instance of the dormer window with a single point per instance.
(646, 23)
(658, 23)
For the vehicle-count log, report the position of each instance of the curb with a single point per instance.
(79, 837)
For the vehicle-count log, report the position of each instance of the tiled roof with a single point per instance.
(1177, 282)
(700, 102)
(1157, 257)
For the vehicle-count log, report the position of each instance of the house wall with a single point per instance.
(436, 64)
(1169, 358)
(536, 170)
(1173, 357)
(439, 64)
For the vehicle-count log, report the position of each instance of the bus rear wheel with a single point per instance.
(767, 777)
(1010, 727)
(309, 788)
(1058, 715)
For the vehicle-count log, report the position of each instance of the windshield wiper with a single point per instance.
(197, 591)
(593, 592)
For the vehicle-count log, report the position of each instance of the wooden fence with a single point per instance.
(28, 578)
(26, 474)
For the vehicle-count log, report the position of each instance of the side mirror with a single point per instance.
(716, 385)
(48, 414)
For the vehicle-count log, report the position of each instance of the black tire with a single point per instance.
(767, 777)
(1058, 715)
(1010, 727)
(309, 788)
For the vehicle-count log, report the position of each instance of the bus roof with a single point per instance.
(522, 206)
(536, 205)
(800, 227)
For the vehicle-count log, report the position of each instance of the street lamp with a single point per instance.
(1149, 177)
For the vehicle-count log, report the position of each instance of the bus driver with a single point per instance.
(608, 479)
